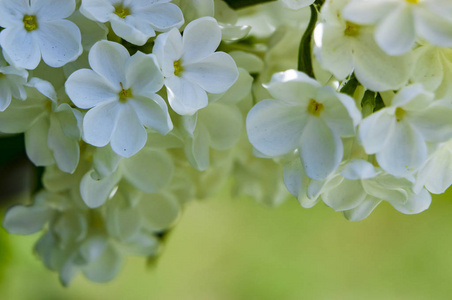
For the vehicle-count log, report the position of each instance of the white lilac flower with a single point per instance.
(433, 68)
(52, 130)
(38, 29)
(398, 134)
(347, 47)
(359, 188)
(436, 173)
(305, 116)
(191, 66)
(120, 93)
(134, 20)
(398, 23)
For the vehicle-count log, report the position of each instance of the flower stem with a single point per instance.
(305, 52)
(237, 4)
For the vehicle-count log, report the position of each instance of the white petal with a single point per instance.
(377, 70)
(129, 136)
(436, 174)
(347, 195)
(367, 12)
(341, 114)
(97, 10)
(159, 211)
(162, 16)
(413, 97)
(95, 192)
(275, 128)
(65, 150)
(46, 10)
(336, 52)
(433, 28)
(20, 47)
(215, 73)
(201, 38)
(168, 48)
(12, 12)
(128, 32)
(5, 95)
(184, 97)
(36, 143)
(375, 130)
(44, 87)
(197, 148)
(295, 180)
(224, 123)
(20, 116)
(60, 42)
(435, 122)
(363, 210)
(153, 113)
(359, 169)
(100, 122)
(105, 161)
(428, 67)
(149, 170)
(87, 89)
(404, 152)
(415, 203)
(395, 33)
(387, 187)
(143, 75)
(321, 150)
(106, 267)
(293, 86)
(109, 59)
(26, 220)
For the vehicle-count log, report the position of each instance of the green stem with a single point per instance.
(305, 52)
(237, 4)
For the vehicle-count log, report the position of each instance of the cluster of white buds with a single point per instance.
(136, 107)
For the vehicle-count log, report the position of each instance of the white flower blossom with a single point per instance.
(347, 47)
(399, 23)
(304, 116)
(134, 20)
(398, 134)
(38, 29)
(191, 66)
(120, 92)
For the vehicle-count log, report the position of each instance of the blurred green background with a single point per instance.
(227, 248)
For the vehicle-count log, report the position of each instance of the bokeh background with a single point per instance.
(230, 248)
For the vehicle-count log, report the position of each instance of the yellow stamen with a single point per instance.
(351, 29)
(400, 114)
(30, 23)
(413, 1)
(178, 68)
(122, 11)
(124, 94)
(315, 108)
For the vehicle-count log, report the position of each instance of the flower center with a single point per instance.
(413, 1)
(315, 108)
(178, 68)
(122, 11)
(124, 94)
(399, 114)
(30, 23)
(351, 29)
